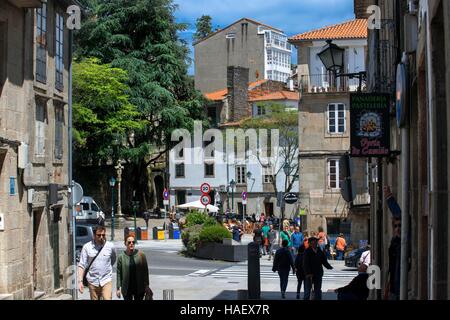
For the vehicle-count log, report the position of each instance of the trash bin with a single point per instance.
(143, 232)
(174, 231)
(158, 233)
(139, 233)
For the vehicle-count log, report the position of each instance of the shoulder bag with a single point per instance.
(85, 282)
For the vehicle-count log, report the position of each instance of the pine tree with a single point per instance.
(204, 28)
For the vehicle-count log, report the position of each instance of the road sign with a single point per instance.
(244, 195)
(205, 188)
(290, 198)
(166, 194)
(205, 199)
(77, 193)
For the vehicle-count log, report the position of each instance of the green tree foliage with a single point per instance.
(101, 110)
(277, 116)
(203, 27)
(214, 233)
(141, 37)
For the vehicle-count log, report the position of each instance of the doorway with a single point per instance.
(268, 208)
(159, 189)
(37, 215)
(55, 246)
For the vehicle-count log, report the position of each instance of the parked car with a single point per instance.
(352, 258)
(88, 211)
(84, 234)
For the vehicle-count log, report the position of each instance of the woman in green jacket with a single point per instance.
(132, 273)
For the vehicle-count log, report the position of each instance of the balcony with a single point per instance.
(284, 45)
(327, 83)
(27, 3)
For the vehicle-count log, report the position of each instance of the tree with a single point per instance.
(204, 28)
(140, 37)
(276, 116)
(102, 111)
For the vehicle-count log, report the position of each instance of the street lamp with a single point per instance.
(112, 183)
(135, 204)
(232, 185)
(287, 170)
(332, 57)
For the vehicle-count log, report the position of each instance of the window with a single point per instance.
(59, 129)
(231, 35)
(82, 232)
(267, 175)
(59, 82)
(209, 169)
(40, 128)
(336, 118)
(179, 170)
(41, 44)
(94, 207)
(269, 56)
(333, 174)
(85, 206)
(241, 174)
(260, 110)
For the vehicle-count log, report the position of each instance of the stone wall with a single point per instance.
(237, 84)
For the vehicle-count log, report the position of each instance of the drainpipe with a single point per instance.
(405, 202)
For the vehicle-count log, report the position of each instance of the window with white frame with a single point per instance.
(3, 42)
(41, 44)
(267, 175)
(336, 118)
(40, 128)
(260, 110)
(59, 45)
(269, 56)
(241, 174)
(179, 170)
(333, 174)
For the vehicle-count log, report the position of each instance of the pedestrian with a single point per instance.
(297, 240)
(340, 245)
(365, 256)
(95, 267)
(237, 232)
(132, 273)
(283, 263)
(322, 239)
(357, 289)
(313, 260)
(393, 290)
(305, 239)
(272, 238)
(286, 236)
(299, 272)
(258, 239)
(265, 230)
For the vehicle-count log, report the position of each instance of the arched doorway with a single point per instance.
(159, 189)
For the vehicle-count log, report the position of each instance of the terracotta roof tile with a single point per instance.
(221, 94)
(280, 95)
(354, 29)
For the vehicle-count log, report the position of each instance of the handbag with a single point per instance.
(85, 282)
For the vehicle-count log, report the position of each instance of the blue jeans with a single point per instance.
(309, 282)
(340, 255)
(284, 277)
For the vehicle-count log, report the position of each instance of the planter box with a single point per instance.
(219, 251)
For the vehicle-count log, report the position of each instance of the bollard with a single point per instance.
(168, 294)
(253, 272)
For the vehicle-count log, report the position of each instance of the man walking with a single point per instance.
(96, 261)
(341, 244)
(283, 263)
(313, 260)
(272, 237)
(297, 241)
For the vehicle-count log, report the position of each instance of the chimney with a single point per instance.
(360, 8)
(237, 84)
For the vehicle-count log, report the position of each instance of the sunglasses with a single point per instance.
(397, 225)
(131, 242)
(101, 235)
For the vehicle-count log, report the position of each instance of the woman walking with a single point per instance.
(299, 269)
(132, 273)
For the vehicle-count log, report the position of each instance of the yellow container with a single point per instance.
(160, 234)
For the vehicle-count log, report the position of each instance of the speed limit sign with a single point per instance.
(205, 199)
(205, 188)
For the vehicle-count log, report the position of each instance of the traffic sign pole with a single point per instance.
(244, 205)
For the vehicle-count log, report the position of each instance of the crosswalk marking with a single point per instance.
(266, 272)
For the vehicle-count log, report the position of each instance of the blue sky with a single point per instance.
(292, 16)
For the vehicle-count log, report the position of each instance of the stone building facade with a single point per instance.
(34, 82)
(417, 33)
(262, 49)
(324, 131)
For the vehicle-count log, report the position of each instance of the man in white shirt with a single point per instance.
(365, 257)
(99, 275)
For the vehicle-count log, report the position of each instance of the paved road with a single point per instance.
(196, 279)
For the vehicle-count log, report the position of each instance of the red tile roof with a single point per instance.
(354, 29)
(221, 94)
(279, 95)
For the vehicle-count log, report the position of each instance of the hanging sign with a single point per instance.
(370, 125)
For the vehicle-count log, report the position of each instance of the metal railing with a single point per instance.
(328, 82)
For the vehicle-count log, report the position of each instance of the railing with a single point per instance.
(279, 44)
(322, 83)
